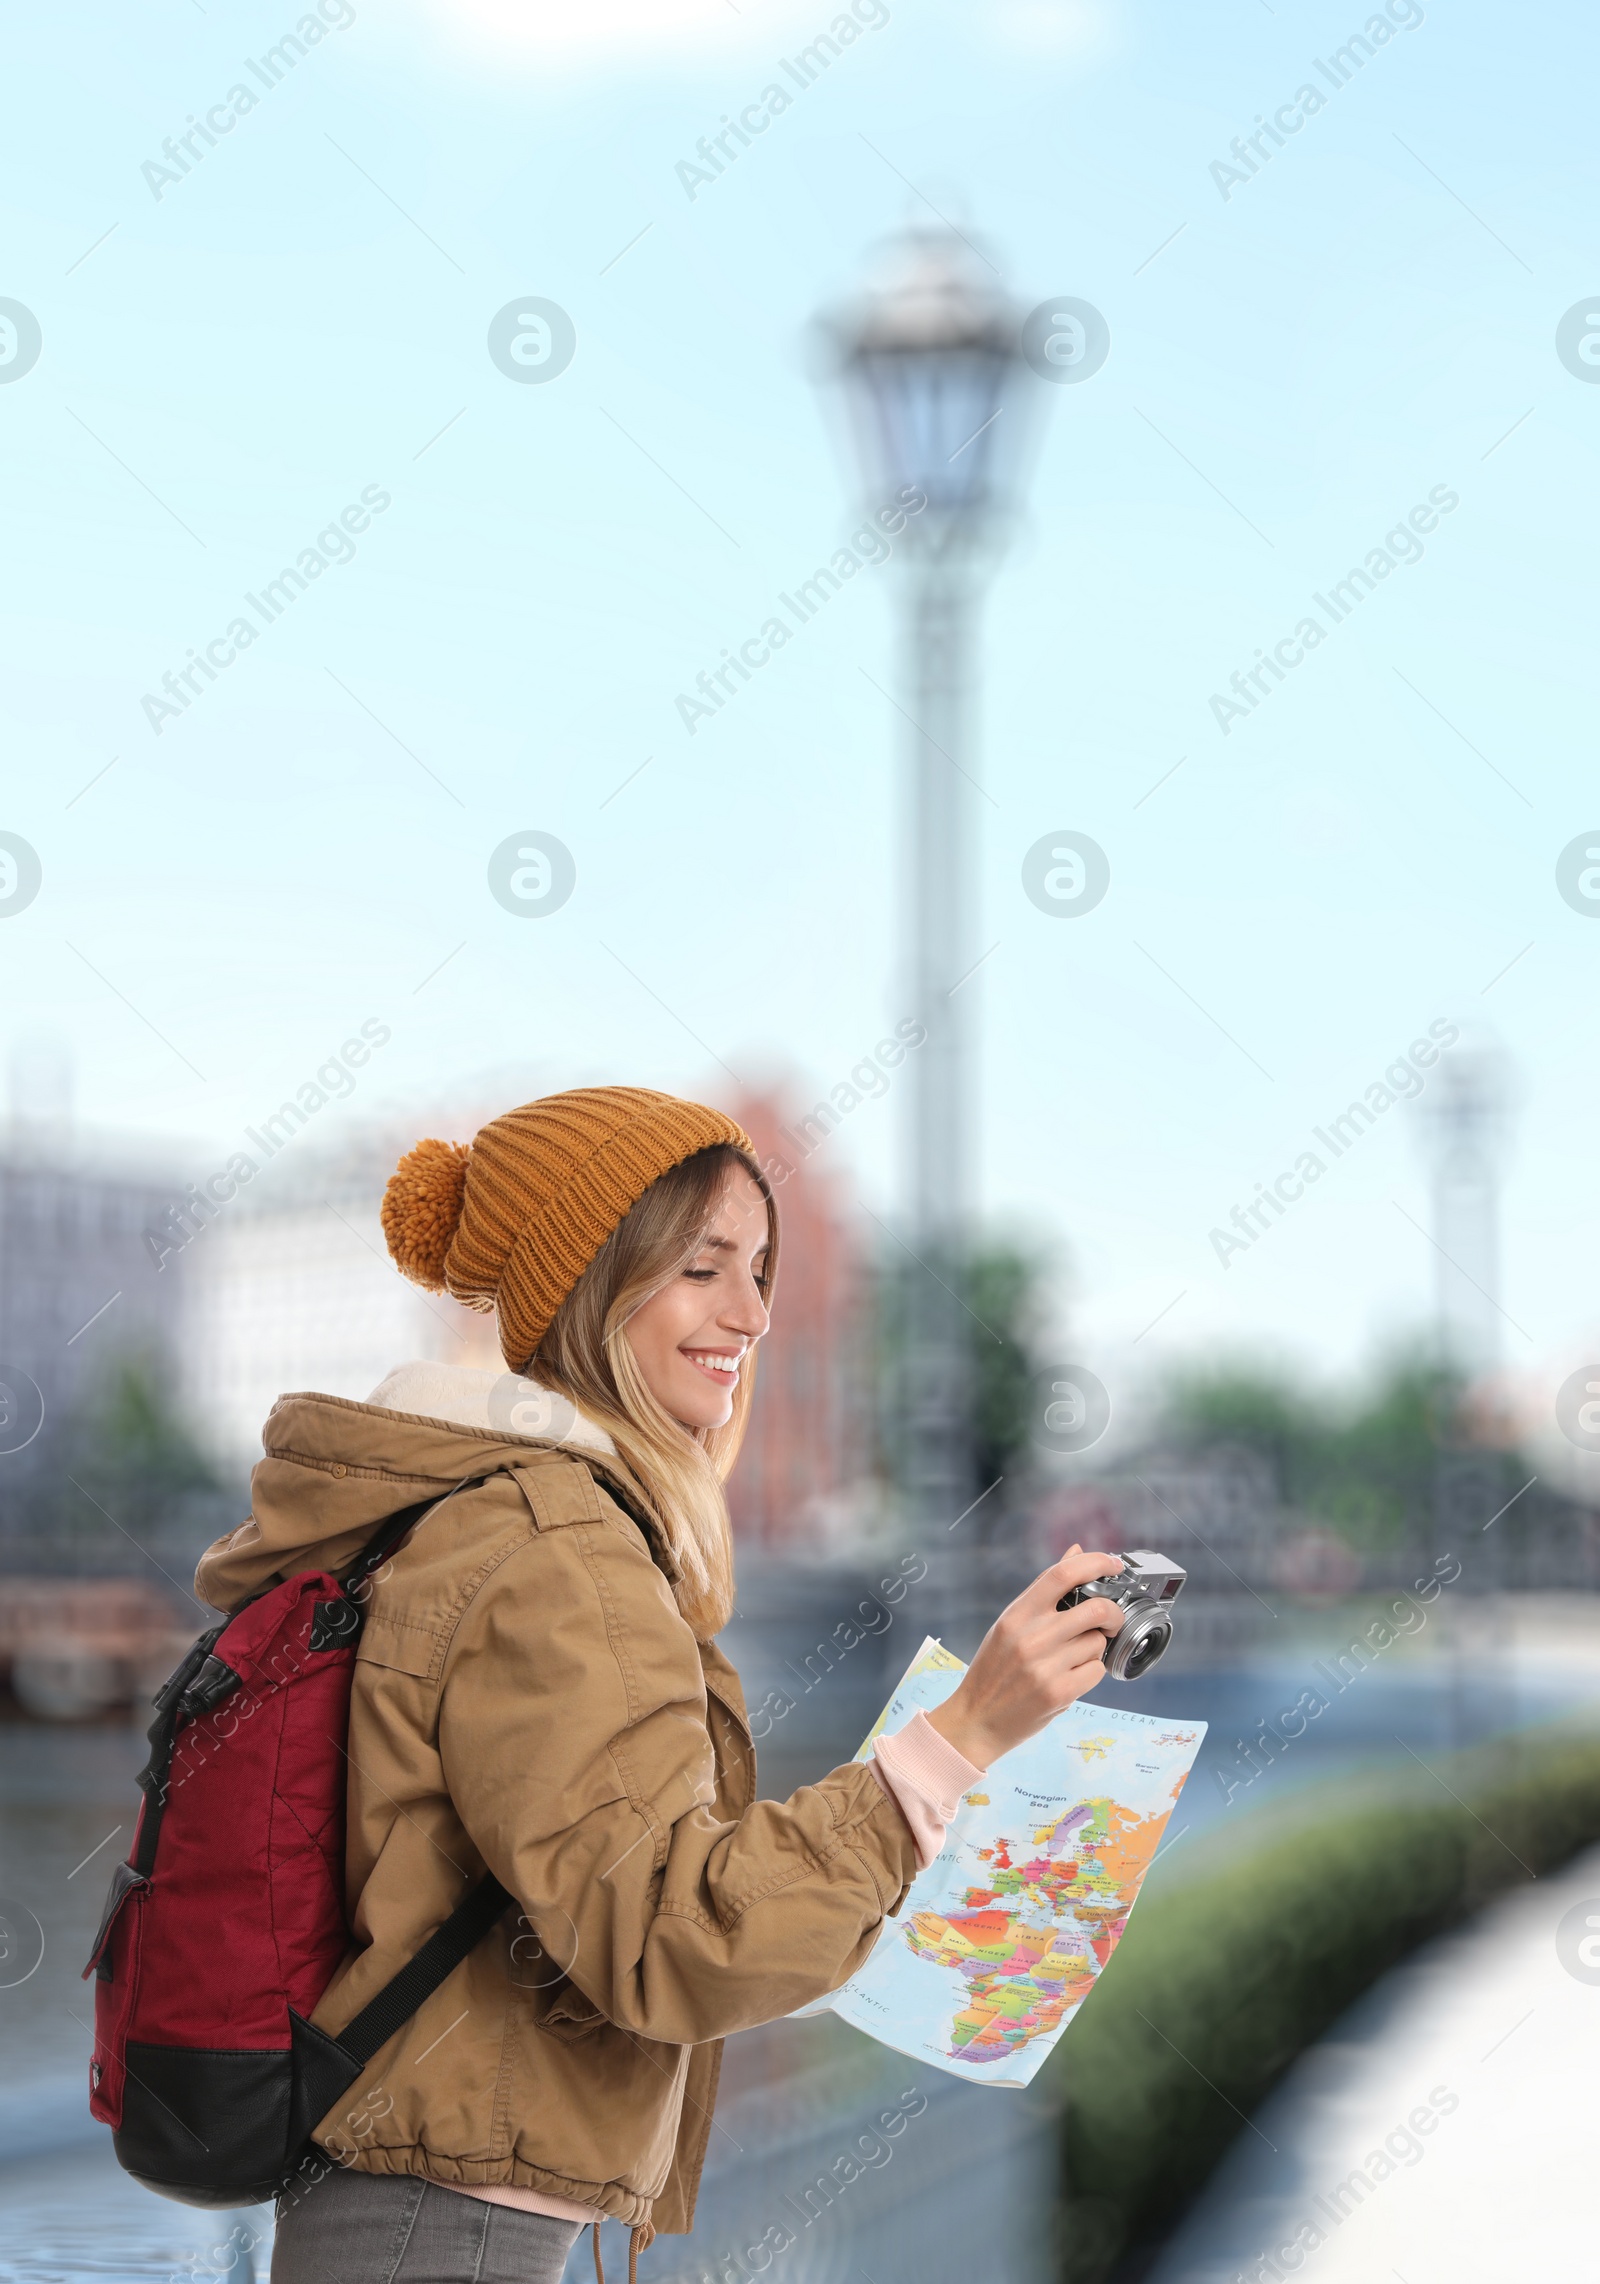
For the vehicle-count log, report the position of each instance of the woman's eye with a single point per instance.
(700, 1276)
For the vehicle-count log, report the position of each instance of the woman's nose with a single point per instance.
(747, 1313)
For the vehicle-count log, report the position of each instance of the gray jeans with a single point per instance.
(386, 2228)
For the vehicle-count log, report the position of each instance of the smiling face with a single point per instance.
(688, 1338)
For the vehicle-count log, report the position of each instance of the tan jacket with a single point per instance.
(527, 1699)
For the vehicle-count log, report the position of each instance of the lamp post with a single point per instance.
(1466, 1118)
(930, 359)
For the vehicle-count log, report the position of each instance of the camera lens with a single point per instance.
(1143, 1637)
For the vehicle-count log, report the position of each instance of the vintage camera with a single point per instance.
(1146, 1587)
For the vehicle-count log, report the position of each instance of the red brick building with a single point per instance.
(810, 1439)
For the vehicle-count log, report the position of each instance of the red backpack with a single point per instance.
(226, 1924)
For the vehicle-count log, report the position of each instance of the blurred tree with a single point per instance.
(1002, 1288)
(131, 1468)
(1004, 1293)
(1365, 1467)
(1240, 1404)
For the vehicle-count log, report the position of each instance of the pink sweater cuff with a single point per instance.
(925, 1775)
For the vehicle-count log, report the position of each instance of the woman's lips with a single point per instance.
(716, 1364)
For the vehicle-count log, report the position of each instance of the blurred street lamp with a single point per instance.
(931, 361)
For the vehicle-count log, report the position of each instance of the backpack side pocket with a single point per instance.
(114, 1963)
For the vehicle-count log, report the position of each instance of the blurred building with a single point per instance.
(78, 1291)
(106, 1252)
(804, 1479)
(290, 1287)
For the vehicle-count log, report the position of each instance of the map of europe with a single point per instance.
(1005, 1934)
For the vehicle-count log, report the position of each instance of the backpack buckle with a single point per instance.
(177, 1682)
(210, 1686)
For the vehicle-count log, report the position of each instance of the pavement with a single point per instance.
(1445, 2130)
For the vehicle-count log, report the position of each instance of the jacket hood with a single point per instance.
(335, 1469)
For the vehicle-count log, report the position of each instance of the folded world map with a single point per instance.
(1008, 1930)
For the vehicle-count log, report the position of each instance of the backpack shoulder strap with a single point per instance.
(422, 1974)
(473, 1916)
(202, 1679)
(385, 1539)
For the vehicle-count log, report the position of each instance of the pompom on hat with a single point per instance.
(512, 1223)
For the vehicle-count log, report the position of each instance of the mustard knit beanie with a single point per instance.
(512, 1223)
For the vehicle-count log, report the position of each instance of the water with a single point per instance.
(76, 2215)
(67, 1805)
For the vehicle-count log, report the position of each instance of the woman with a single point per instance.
(539, 1693)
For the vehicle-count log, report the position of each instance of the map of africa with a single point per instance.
(1005, 1934)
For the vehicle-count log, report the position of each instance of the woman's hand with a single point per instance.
(1034, 1660)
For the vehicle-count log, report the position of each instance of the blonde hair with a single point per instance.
(585, 1356)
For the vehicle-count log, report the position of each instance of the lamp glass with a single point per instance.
(931, 419)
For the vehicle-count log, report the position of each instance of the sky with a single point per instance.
(231, 357)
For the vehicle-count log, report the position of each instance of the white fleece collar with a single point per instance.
(503, 1402)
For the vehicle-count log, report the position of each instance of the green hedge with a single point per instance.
(1236, 1971)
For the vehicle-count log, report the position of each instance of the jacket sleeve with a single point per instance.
(574, 1744)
